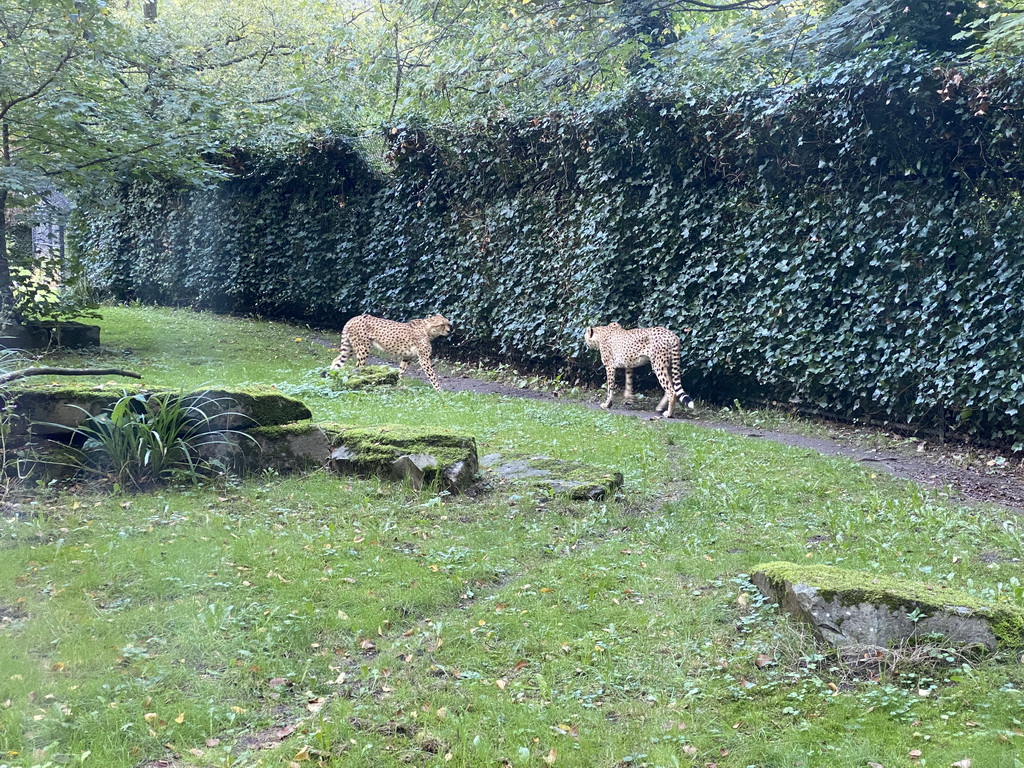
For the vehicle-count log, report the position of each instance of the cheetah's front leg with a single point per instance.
(428, 369)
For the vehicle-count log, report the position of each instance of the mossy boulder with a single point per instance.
(54, 409)
(856, 608)
(256, 406)
(284, 448)
(574, 479)
(363, 378)
(45, 334)
(420, 455)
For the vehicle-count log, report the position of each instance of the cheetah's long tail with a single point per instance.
(677, 384)
(344, 351)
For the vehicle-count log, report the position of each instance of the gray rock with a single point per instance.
(852, 608)
(578, 481)
(414, 468)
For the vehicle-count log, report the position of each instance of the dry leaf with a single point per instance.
(875, 765)
(501, 683)
(302, 754)
(196, 752)
(180, 718)
(315, 705)
(550, 757)
(212, 742)
(149, 717)
(689, 749)
(965, 763)
(915, 754)
(763, 660)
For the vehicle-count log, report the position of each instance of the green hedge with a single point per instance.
(854, 244)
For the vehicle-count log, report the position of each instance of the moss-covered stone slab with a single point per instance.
(422, 456)
(53, 409)
(256, 406)
(578, 481)
(284, 448)
(363, 378)
(856, 608)
(46, 334)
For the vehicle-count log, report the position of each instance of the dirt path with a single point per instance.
(981, 479)
(934, 467)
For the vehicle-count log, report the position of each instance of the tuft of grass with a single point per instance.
(360, 623)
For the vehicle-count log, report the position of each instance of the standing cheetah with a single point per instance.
(391, 340)
(629, 349)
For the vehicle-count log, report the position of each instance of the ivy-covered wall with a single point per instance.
(855, 243)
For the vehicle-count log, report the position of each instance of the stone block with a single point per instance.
(855, 608)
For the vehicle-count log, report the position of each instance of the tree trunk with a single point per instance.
(149, 10)
(6, 289)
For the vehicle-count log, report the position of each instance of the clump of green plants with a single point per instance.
(144, 439)
(42, 294)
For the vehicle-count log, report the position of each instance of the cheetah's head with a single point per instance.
(593, 335)
(437, 325)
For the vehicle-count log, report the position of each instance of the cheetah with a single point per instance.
(403, 342)
(629, 349)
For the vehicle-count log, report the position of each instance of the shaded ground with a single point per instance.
(970, 473)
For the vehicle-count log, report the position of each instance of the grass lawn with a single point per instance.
(304, 620)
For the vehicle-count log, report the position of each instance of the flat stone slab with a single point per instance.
(257, 406)
(46, 334)
(53, 409)
(421, 456)
(578, 481)
(37, 407)
(368, 376)
(857, 608)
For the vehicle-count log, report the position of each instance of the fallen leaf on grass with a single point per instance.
(212, 742)
(550, 757)
(915, 754)
(763, 660)
(965, 763)
(501, 683)
(875, 765)
(315, 705)
(180, 718)
(689, 749)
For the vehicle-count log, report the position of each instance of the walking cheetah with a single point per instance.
(391, 340)
(629, 349)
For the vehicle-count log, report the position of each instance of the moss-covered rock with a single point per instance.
(255, 406)
(420, 455)
(284, 448)
(363, 378)
(847, 607)
(574, 479)
(45, 334)
(52, 409)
